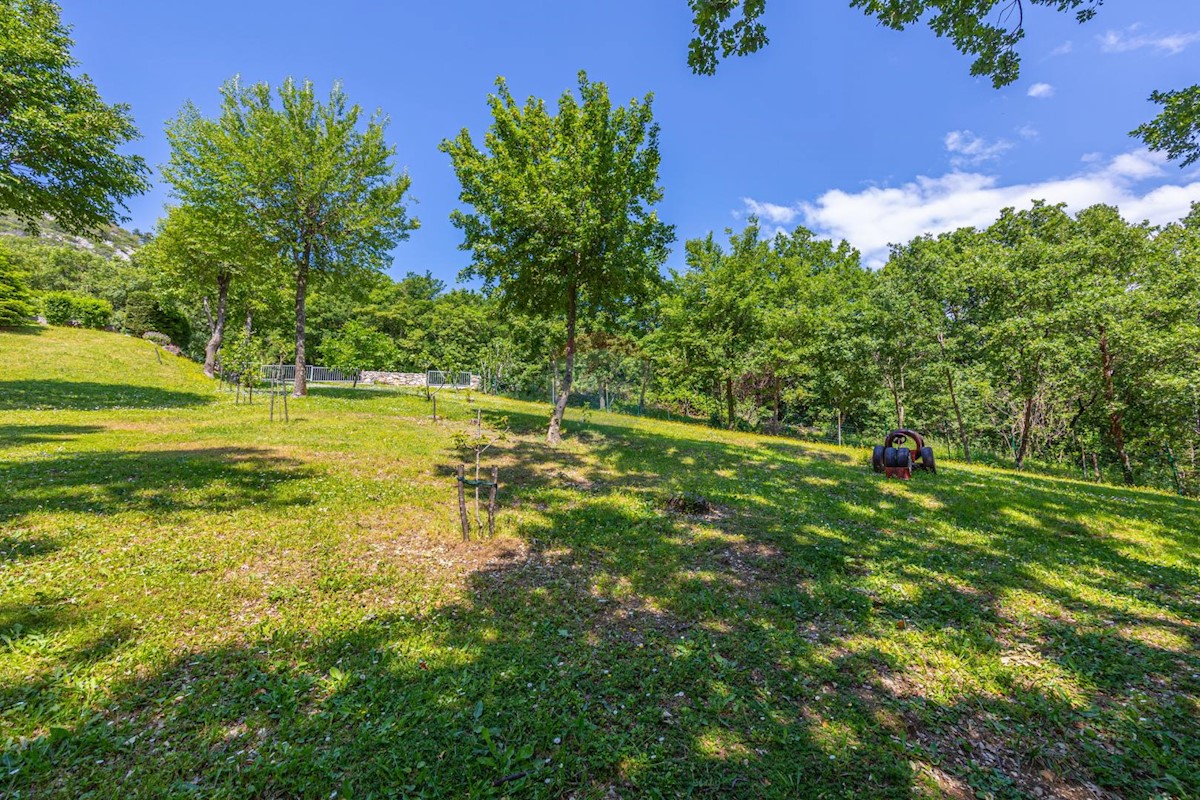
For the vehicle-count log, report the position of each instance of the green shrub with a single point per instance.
(68, 308)
(145, 312)
(92, 312)
(15, 302)
(58, 308)
(160, 339)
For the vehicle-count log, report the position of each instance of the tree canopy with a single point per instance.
(304, 175)
(562, 219)
(989, 31)
(60, 142)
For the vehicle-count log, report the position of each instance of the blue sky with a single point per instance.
(853, 130)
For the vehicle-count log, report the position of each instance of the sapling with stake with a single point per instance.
(479, 442)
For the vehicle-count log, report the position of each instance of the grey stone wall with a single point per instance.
(402, 379)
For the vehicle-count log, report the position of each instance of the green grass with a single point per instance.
(197, 602)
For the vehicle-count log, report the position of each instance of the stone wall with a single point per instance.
(402, 379)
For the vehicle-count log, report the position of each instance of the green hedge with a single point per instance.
(69, 308)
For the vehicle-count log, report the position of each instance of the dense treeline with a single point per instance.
(1045, 339)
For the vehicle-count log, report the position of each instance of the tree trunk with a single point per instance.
(1026, 426)
(839, 425)
(603, 403)
(554, 434)
(218, 326)
(899, 407)
(1116, 418)
(775, 412)
(300, 386)
(962, 430)
(642, 391)
(729, 404)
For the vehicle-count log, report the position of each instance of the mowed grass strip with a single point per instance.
(196, 601)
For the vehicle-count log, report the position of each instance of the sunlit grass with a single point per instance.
(196, 600)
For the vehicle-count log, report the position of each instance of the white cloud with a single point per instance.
(770, 212)
(1139, 165)
(876, 217)
(1028, 132)
(1129, 39)
(1063, 49)
(1041, 90)
(967, 149)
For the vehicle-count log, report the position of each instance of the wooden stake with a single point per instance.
(492, 501)
(462, 502)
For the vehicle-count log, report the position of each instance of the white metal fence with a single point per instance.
(314, 374)
(435, 378)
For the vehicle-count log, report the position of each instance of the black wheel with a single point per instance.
(889, 456)
(903, 457)
(877, 458)
(927, 459)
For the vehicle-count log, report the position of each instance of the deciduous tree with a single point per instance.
(59, 142)
(561, 218)
(307, 176)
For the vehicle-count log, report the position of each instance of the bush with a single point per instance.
(92, 312)
(160, 339)
(145, 312)
(68, 308)
(15, 305)
(58, 308)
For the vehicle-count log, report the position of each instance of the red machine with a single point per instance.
(896, 459)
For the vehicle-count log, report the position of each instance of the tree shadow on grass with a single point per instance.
(822, 632)
(89, 396)
(630, 653)
(20, 435)
(214, 479)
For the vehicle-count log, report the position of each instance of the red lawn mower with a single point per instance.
(896, 459)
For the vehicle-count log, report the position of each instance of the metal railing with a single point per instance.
(435, 379)
(314, 374)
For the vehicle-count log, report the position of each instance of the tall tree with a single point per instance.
(59, 142)
(203, 250)
(561, 220)
(305, 175)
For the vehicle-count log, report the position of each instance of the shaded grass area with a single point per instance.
(195, 601)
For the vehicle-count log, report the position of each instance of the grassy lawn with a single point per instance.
(197, 602)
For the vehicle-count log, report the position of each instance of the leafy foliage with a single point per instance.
(70, 308)
(357, 347)
(16, 302)
(59, 142)
(303, 175)
(988, 30)
(147, 312)
(562, 220)
(1176, 130)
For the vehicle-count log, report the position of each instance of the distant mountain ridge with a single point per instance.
(111, 242)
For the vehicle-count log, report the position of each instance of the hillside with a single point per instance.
(222, 605)
(112, 242)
